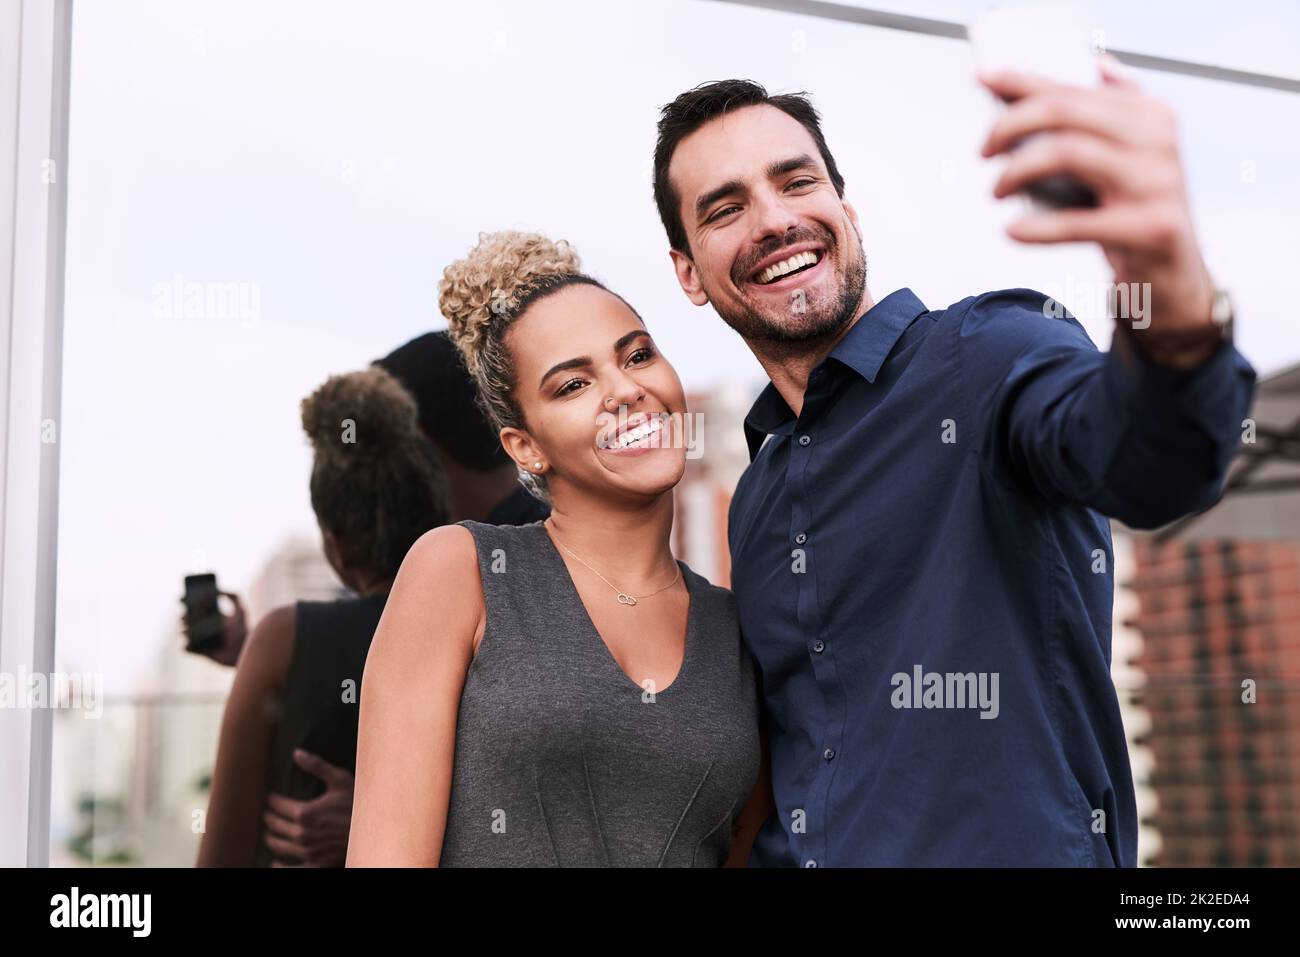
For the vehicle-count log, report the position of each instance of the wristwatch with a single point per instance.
(1221, 313)
(1190, 348)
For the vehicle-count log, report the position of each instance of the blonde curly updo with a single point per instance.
(483, 294)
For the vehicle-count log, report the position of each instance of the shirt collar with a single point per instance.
(863, 349)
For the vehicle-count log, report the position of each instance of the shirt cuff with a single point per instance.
(1213, 395)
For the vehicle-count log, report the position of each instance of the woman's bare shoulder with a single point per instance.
(436, 590)
(449, 549)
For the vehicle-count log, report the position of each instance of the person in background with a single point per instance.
(376, 487)
(484, 482)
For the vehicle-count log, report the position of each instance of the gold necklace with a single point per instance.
(623, 597)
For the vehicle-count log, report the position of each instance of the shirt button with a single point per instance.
(828, 753)
(800, 538)
(810, 863)
(805, 439)
(819, 646)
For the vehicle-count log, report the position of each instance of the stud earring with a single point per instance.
(537, 465)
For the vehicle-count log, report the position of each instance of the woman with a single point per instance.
(376, 487)
(563, 693)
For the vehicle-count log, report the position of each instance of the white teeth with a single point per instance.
(772, 273)
(632, 436)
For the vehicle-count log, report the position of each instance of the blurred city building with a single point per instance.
(714, 464)
(1216, 607)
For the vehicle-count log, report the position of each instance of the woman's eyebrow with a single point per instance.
(580, 362)
(628, 337)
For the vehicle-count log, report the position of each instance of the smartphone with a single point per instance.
(1049, 38)
(207, 625)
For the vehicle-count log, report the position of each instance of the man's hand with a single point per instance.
(311, 833)
(1124, 145)
(233, 635)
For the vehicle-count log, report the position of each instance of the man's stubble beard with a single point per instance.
(820, 321)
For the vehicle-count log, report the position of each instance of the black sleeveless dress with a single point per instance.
(318, 707)
(562, 760)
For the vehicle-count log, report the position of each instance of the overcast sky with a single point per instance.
(332, 158)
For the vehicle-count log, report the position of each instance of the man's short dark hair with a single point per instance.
(686, 114)
(431, 369)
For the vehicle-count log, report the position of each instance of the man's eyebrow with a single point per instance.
(803, 161)
(789, 166)
(712, 196)
(580, 362)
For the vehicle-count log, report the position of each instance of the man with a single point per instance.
(919, 555)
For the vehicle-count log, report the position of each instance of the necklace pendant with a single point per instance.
(626, 599)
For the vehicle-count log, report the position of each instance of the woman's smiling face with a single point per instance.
(603, 408)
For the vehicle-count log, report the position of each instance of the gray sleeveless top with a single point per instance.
(561, 760)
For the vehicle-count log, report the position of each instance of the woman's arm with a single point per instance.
(410, 698)
(754, 814)
(239, 779)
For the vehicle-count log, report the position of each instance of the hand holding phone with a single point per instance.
(1048, 39)
(208, 631)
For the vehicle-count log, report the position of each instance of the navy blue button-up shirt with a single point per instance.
(924, 576)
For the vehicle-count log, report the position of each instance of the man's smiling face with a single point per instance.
(773, 247)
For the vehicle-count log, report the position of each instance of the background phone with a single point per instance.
(207, 625)
(1050, 39)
